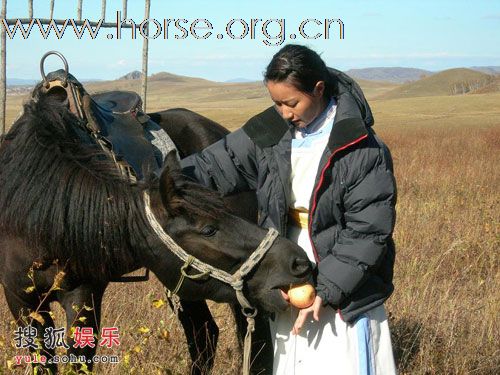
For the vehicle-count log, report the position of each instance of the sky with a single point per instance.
(427, 34)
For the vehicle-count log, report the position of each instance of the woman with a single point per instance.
(324, 179)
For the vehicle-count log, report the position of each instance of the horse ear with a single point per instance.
(171, 171)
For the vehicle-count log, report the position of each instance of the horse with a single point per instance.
(191, 133)
(70, 223)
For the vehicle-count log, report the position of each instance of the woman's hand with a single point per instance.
(303, 314)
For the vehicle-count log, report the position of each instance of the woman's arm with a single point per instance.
(227, 166)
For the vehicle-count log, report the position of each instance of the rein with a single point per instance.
(235, 280)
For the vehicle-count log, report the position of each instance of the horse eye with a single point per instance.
(208, 230)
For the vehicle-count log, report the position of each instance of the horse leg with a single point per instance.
(83, 311)
(40, 320)
(261, 356)
(201, 333)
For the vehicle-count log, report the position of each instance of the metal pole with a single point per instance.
(103, 10)
(3, 71)
(79, 10)
(145, 46)
(52, 9)
(124, 9)
(30, 8)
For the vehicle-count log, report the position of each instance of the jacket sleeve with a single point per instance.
(228, 166)
(369, 203)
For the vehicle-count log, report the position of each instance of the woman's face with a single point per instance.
(299, 107)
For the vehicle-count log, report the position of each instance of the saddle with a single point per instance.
(116, 122)
(118, 101)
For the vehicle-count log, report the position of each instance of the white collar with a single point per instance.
(321, 120)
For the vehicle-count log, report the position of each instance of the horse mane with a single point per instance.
(65, 196)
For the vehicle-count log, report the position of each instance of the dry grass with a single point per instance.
(444, 313)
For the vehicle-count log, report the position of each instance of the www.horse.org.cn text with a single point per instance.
(271, 32)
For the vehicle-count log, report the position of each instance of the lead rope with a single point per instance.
(247, 345)
(248, 311)
(235, 280)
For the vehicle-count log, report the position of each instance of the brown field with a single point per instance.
(444, 314)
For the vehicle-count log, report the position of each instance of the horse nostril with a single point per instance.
(300, 266)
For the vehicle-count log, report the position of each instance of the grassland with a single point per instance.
(444, 314)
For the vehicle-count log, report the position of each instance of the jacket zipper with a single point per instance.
(320, 182)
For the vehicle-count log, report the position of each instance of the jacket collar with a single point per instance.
(348, 125)
(267, 128)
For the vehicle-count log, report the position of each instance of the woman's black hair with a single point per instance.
(300, 66)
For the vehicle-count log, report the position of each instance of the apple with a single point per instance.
(302, 296)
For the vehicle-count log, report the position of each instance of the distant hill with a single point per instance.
(132, 75)
(161, 77)
(448, 82)
(493, 70)
(373, 89)
(174, 78)
(240, 80)
(394, 74)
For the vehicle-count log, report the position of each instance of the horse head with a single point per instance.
(196, 219)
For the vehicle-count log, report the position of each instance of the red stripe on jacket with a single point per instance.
(316, 190)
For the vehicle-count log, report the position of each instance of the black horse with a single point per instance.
(70, 223)
(191, 133)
